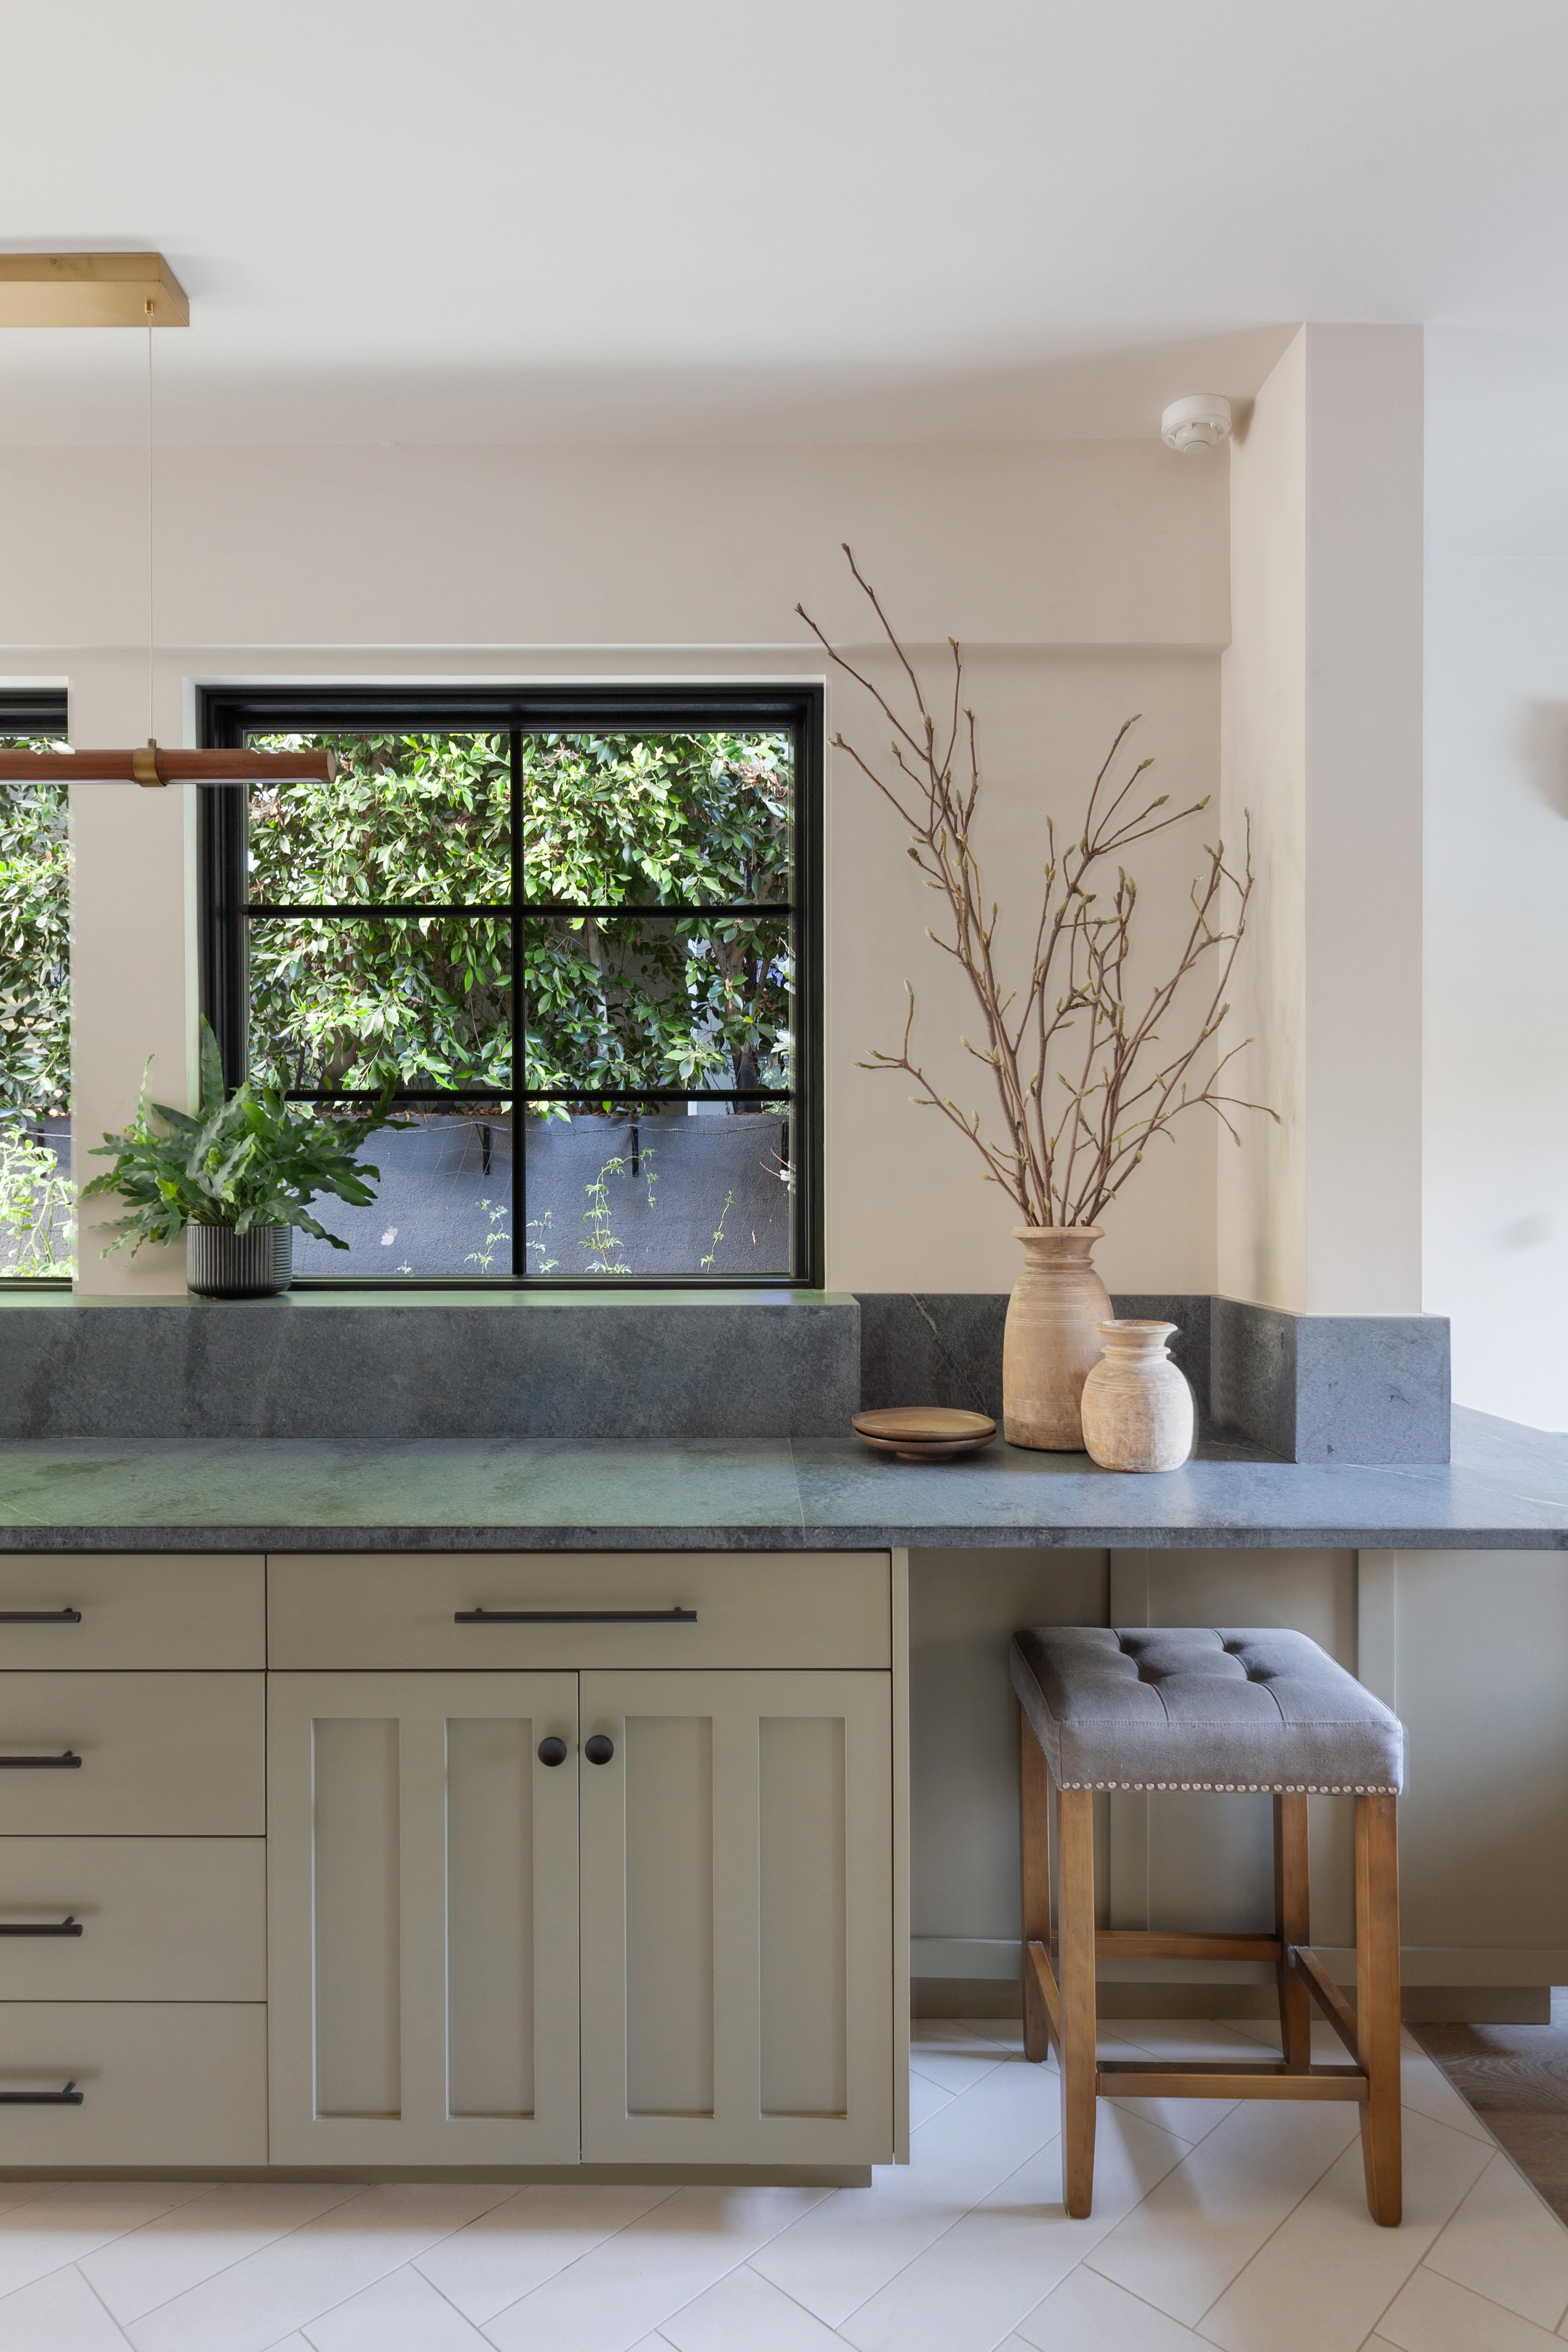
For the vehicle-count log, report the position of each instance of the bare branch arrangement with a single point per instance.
(1083, 1080)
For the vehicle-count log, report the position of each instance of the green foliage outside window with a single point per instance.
(35, 955)
(37, 1209)
(37, 1229)
(612, 1001)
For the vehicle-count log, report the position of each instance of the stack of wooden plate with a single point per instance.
(924, 1432)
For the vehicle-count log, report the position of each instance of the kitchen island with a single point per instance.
(532, 1804)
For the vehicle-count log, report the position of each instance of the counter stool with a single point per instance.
(1196, 1709)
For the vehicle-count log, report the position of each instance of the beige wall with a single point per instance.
(409, 549)
(1496, 867)
(133, 991)
(1087, 580)
(1261, 1201)
(1322, 703)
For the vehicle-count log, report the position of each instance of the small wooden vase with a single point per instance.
(1052, 1340)
(1137, 1408)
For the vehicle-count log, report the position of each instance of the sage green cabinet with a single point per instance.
(325, 1904)
(724, 1903)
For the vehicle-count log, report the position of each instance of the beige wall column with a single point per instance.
(133, 973)
(1321, 734)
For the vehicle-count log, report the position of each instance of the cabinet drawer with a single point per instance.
(386, 1610)
(161, 1918)
(161, 1755)
(187, 1608)
(162, 2083)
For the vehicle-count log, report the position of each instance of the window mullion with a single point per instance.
(518, 1029)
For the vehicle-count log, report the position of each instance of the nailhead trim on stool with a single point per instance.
(1241, 1788)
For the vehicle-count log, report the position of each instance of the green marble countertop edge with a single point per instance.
(1508, 1487)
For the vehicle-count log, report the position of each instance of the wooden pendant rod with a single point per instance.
(170, 767)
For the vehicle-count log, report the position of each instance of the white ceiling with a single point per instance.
(647, 219)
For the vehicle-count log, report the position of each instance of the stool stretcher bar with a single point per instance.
(1118, 2080)
(1210, 2078)
(1327, 1995)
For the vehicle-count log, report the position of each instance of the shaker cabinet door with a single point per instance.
(737, 1966)
(422, 1918)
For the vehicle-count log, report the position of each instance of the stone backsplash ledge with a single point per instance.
(1310, 1388)
(652, 1365)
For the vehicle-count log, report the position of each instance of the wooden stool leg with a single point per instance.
(1292, 1925)
(1377, 2000)
(1074, 1837)
(1035, 1836)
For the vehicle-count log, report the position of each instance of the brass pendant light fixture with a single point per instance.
(126, 290)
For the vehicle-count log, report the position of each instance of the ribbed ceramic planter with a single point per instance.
(1137, 1408)
(222, 1264)
(1052, 1339)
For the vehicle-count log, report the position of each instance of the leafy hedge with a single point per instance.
(613, 1002)
(611, 820)
(34, 953)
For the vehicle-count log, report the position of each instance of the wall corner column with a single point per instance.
(1321, 744)
(133, 975)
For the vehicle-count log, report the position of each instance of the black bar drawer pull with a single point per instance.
(68, 1762)
(70, 2098)
(40, 1616)
(70, 1925)
(575, 1617)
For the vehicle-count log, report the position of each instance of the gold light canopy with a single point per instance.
(91, 290)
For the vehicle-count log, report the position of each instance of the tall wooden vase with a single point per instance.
(1053, 1337)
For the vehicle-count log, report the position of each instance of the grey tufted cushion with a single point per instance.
(1202, 1707)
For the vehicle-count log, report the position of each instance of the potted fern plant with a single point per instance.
(235, 1178)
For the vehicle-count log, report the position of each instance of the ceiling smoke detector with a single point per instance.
(1195, 422)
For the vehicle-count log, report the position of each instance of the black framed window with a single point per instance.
(37, 1203)
(582, 928)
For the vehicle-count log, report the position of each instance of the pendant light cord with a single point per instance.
(150, 608)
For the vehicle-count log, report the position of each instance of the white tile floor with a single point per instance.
(1238, 2225)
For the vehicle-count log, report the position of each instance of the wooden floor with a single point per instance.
(1516, 2079)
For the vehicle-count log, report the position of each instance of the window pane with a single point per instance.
(613, 1006)
(442, 1204)
(630, 820)
(406, 820)
(37, 1231)
(626, 1004)
(335, 1000)
(658, 1190)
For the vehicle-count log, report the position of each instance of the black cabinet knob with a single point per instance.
(598, 1750)
(552, 1751)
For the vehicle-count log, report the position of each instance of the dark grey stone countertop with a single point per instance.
(1505, 1489)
